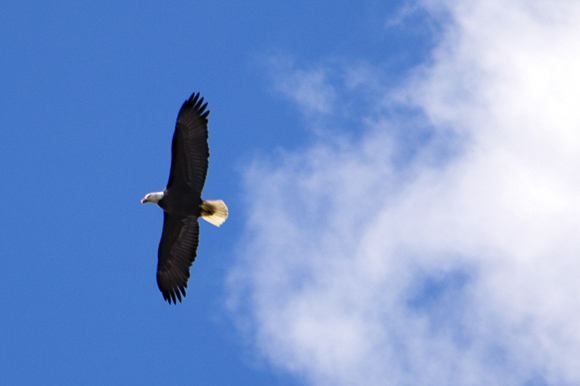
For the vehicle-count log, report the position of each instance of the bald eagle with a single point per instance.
(181, 200)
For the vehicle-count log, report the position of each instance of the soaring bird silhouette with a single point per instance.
(181, 200)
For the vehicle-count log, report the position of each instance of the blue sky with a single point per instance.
(401, 179)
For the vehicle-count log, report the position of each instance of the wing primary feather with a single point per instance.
(193, 98)
(198, 101)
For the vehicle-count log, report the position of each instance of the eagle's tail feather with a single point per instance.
(214, 211)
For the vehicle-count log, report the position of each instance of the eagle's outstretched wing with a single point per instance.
(189, 148)
(177, 251)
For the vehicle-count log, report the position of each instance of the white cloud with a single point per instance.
(308, 88)
(360, 270)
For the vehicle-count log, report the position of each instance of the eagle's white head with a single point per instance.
(152, 197)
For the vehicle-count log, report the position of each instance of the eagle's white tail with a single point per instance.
(214, 211)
